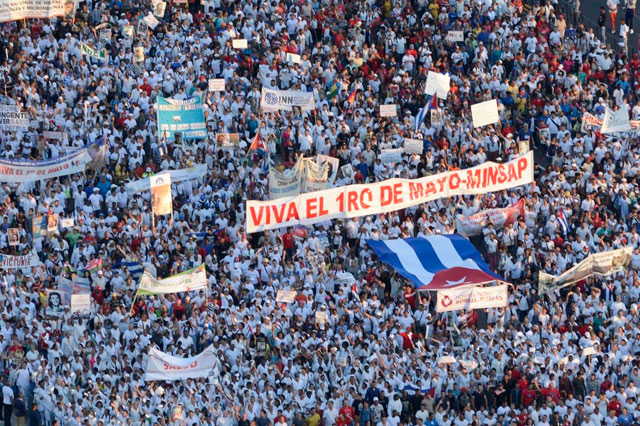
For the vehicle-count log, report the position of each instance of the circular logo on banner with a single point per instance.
(446, 301)
(271, 99)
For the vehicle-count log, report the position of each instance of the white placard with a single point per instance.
(615, 121)
(438, 84)
(286, 296)
(485, 113)
(239, 43)
(413, 146)
(388, 156)
(455, 36)
(293, 57)
(138, 54)
(159, 8)
(389, 110)
(81, 303)
(216, 84)
(151, 21)
(67, 222)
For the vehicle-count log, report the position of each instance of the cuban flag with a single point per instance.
(432, 102)
(436, 262)
(564, 224)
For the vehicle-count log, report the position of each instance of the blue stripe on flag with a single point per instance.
(391, 258)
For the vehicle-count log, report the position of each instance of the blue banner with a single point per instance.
(184, 117)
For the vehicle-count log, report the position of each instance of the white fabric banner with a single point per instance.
(20, 9)
(81, 303)
(275, 100)
(162, 366)
(177, 176)
(485, 113)
(386, 196)
(13, 262)
(11, 118)
(389, 110)
(18, 171)
(438, 84)
(239, 43)
(600, 264)
(615, 121)
(469, 298)
(193, 279)
(216, 84)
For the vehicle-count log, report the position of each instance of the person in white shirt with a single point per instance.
(7, 403)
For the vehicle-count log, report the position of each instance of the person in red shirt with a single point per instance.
(348, 413)
(288, 243)
(614, 405)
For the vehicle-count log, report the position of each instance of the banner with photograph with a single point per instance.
(11, 118)
(13, 236)
(18, 171)
(473, 225)
(162, 366)
(275, 100)
(227, 140)
(469, 298)
(180, 116)
(386, 196)
(14, 262)
(190, 280)
(161, 199)
(320, 172)
(15, 10)
(599, 264)
(196, 172)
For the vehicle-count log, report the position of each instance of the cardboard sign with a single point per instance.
(455, 36)
(239, 43)
(485, 113)
(388, 156)
(438, 84)
(286, 296)
(216, 85)
(151, 21)
(389, 110)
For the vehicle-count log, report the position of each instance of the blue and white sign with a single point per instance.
(185, 117)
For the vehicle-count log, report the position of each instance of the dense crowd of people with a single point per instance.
(379, 359)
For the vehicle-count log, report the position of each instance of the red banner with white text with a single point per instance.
(386, 196)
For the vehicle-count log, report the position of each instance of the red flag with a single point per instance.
(352, 97)
(257, 143)
(94, 264)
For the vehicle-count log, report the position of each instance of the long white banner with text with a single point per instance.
(386, 196)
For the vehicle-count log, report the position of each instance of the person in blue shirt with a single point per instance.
(625, 418)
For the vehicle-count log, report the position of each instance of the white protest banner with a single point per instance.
(80, 303)
(485, 113)
(386, 196)
(615, 121)
(13, 236)
(196, 172)
(388, 156)
(162, 366)
(11, 118)
(53, 220)
(239, 43)
(469, 298)
(151, 21)
(469, 365)
(589, 121)
(286, 183)
(294, 58)
(274, 100)
(455, 36)
(15, 10)
(589, 350)
(67, 222)
(474, 224)
(53, 135)
(389, 110)
(190, 280)
(347, 170)
(12, 262)
(216, 84)
(523, 146)
(345, 279)
(286, 296)
(161, 199)
(599, 264)
(18, 171)
(413, 146)
(85, 49)
(447, 359)
(321, 318)
(438, 84)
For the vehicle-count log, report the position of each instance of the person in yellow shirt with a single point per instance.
(314, 419)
